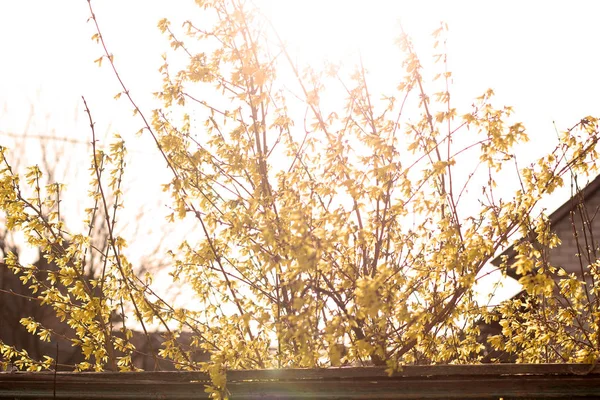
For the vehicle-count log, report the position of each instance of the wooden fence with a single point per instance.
(507, 381)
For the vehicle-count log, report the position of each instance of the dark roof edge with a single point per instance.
(558, 214)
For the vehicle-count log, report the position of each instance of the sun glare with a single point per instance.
(317, 31)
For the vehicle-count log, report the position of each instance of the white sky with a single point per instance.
(540, 57)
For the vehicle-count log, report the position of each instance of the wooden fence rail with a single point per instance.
(508, 381)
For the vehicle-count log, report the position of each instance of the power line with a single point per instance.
(63, 139)
(45, 138)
